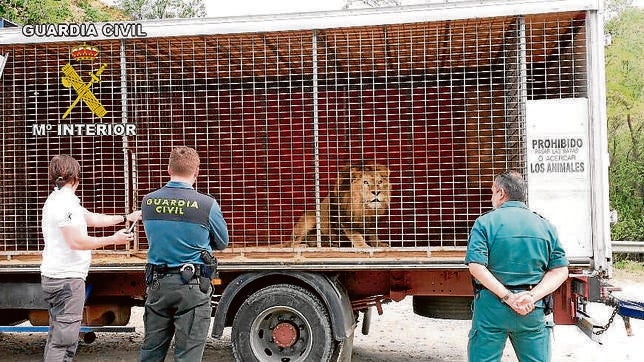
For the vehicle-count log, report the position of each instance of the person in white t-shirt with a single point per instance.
(67, 255)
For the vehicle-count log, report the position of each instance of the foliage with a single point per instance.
(617, 6)
(629, 265)
(31, 11)
(162, 9)
(57, 11)
(625, 178)
(625, 110)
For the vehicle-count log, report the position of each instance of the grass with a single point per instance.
(625, 269)
(629, 266)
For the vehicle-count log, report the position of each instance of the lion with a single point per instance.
(350, 211)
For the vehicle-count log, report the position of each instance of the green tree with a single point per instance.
(625, 109)
(162, 9)
(57, 11)
(32, 11)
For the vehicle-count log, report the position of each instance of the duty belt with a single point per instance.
(520, 287)
(164, 269)
(188, 272)
(478, 287)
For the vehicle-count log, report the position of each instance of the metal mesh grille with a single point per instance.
(33, 96)
(276, 116)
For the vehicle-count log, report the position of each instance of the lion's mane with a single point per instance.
(350, 212)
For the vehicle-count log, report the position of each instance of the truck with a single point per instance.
(442, 96)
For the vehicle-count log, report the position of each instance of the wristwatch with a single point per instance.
(506, 297)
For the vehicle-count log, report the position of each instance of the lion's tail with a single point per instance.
(302, 228)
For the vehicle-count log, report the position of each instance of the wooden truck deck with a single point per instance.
(272, 258)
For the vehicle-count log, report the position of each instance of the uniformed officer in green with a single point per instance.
(516, 259)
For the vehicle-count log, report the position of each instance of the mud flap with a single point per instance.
(587, 325)
(343, 349)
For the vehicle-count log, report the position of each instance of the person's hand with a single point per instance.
(511, 299)
(122, 237)
(133, 216)
(522, 303)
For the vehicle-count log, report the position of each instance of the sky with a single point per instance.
(254, 7)
(216, 8)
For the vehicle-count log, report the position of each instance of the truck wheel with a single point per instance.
(282, 323)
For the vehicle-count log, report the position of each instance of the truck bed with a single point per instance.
(277, 114)
(272, 258)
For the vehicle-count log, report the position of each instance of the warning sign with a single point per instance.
(557, 155)
(558, 169)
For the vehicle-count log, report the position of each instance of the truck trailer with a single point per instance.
(287, 111)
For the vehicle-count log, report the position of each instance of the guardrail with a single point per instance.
(627, 246)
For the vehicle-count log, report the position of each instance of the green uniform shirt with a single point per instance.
(517, 245)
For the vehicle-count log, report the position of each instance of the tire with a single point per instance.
(443, 307)
(282, 322)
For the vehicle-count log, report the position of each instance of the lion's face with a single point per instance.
(370, 189)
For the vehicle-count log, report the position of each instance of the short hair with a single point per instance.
(184, 161)
(63, 169)
(513, 184)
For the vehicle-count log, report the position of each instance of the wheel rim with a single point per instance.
(282, 334)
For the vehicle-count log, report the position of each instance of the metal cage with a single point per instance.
(276, 115)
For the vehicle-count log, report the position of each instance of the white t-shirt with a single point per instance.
(63, 208)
